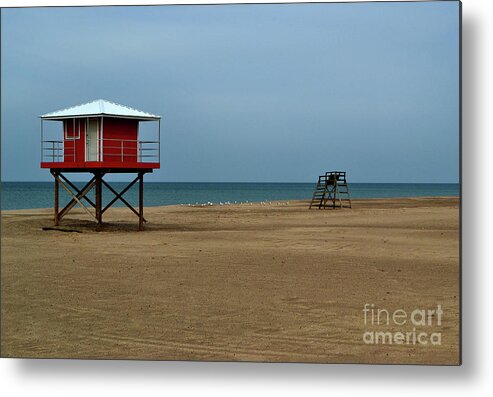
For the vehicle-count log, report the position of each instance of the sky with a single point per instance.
(248, 93)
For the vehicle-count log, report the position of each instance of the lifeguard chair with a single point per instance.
(99, 137)
(331, 188)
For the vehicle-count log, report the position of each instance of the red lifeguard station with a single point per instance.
(99, 137)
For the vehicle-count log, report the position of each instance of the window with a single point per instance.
(71, 128)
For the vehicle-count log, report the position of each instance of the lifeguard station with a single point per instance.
(331, 191)
(99, 137)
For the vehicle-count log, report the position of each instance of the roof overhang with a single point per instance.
(100, 108)
(61, 118)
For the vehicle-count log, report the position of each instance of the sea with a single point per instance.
(28, 195)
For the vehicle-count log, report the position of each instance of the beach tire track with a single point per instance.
(200, 348)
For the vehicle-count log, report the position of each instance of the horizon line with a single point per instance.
(266, 182)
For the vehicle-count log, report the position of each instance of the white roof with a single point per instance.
(100, 107)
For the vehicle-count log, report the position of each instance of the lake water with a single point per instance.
(23, 195)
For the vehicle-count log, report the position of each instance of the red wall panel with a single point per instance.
(120, 139)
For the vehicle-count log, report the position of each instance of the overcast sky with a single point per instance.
(248, 93)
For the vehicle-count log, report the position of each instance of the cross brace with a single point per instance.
(79, 196)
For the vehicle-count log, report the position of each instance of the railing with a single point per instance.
(52, 151)
(124, 150)
(105, 149)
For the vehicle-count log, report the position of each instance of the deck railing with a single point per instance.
(106, 150)
(52, 152)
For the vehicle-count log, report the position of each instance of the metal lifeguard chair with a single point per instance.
(99, 137)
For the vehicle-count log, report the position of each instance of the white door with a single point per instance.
(92, 140)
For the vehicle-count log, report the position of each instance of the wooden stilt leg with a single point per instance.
(56, 219)
(141, 201)
(99, 200)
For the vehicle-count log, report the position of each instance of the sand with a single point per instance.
(276, 283)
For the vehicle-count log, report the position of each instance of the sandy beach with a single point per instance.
(244, 282)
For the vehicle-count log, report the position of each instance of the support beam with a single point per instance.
(74, 197)
(80, 194)
(99, 200)
(119, 196)
(57, 219)
(77, 189)
(141, 201)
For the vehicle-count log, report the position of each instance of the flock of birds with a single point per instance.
(209, 203)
